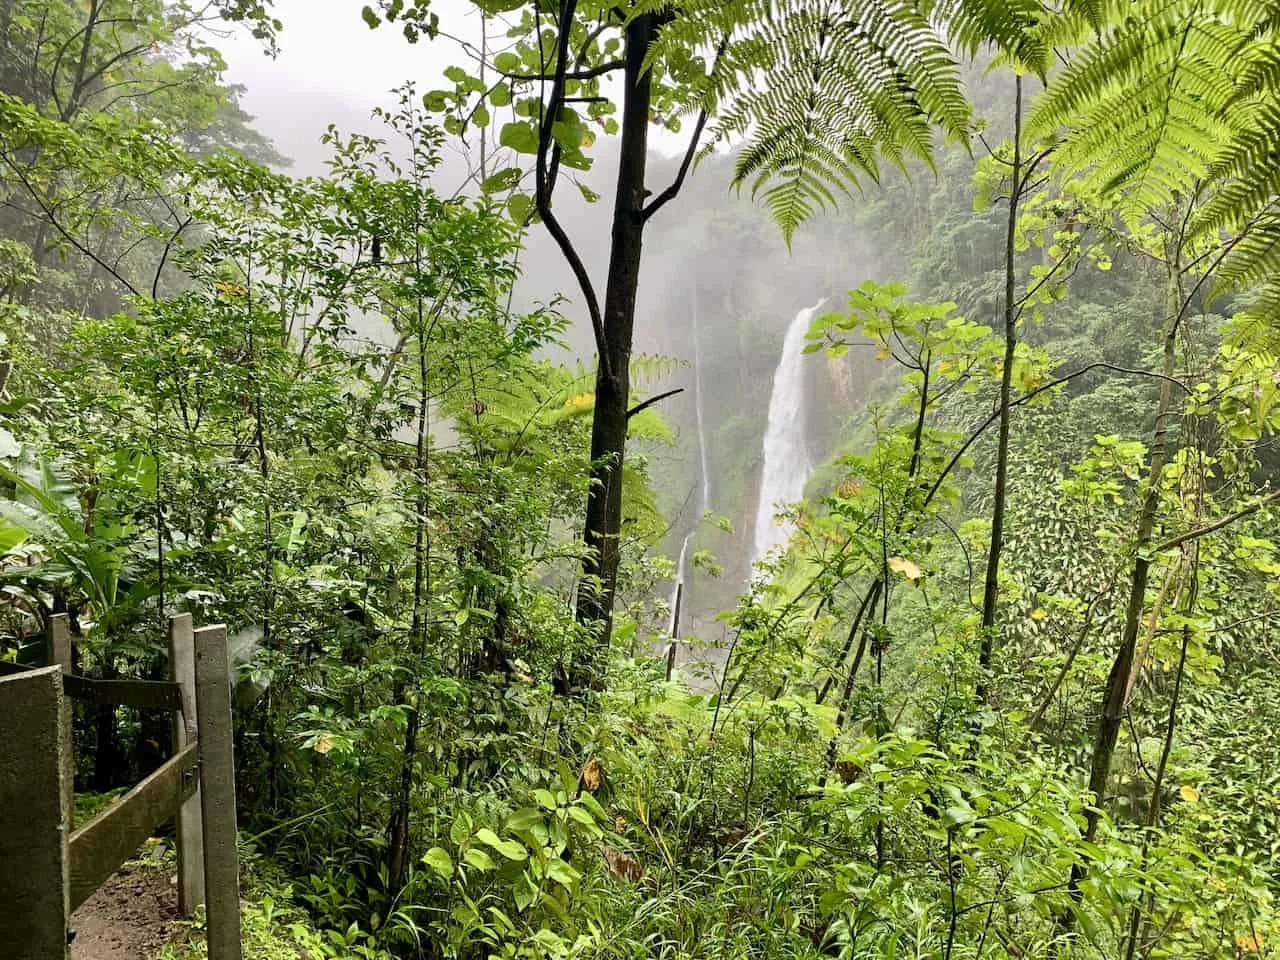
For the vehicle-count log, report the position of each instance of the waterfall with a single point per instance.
(705, 505)
(703, 502)
(787, 464)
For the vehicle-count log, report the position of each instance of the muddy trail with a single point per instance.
(131, 917)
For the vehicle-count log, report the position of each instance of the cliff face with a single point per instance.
(714, 249)
(742, 320)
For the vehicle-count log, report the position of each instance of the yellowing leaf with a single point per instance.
(1188, 793)
(1039, 613)
(1249, 942)
(623, 865)
(849, 488)
(323, 744)
(592, 775)
(905, 567)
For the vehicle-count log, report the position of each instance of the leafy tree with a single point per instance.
(1167, 101)
(874, 83)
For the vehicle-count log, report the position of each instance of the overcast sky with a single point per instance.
(333, 69)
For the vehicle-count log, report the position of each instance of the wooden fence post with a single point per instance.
(217, 793)
(190, 835)
(58, 654)
(34, 892)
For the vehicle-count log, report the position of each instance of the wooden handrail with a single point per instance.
(146, 694)
(109, 839)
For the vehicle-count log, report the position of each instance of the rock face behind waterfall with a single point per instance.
(732, 363)
(787, 459)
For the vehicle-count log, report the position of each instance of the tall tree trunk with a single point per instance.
(1113, 697)
(1136, 914)
(991, 587)
(267, 731)
(602, 531)
(398, 828)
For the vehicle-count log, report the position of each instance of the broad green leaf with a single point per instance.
(438, 859)
(504, 179)
(434, 101)
(524, 818)
(546, 799)
(519, 207)
(506, 62)
(10, 537)
(562, 873)
(511, 849)
(519, 136)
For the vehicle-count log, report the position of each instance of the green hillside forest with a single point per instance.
(702, 480)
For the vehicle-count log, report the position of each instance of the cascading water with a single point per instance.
(703, 501)
(787, 463)
(697, 405)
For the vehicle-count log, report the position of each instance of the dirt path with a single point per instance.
(130, 917)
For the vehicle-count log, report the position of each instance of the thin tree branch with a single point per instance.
(995, 415)
(544, 185)
(669, 194)
(1218, 524)
(589, 74)
(651, 401)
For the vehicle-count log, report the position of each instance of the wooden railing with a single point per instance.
(47, 869)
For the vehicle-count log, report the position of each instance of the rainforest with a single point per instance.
(579, 480)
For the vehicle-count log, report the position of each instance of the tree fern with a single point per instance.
(1170, 98)
(826, 92)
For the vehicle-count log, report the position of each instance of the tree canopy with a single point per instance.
(512, 679)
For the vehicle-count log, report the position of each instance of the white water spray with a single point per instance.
(703, 502)
(787, 463)
(705, 505)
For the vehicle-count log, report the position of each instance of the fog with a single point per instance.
(710, 242)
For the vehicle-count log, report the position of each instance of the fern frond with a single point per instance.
(1174, 96)
(825, 93)
(1248, 172)
(1146, 105)
(1255, 259)
(1013, 26)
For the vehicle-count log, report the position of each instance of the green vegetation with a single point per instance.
(1009, 692)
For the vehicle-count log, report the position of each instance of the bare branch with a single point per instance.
(995, 415)
(545, 182)
(669, 194)
(651, 401)
(1197, 532)
(589, 73)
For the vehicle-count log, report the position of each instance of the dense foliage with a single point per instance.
(1010, 690)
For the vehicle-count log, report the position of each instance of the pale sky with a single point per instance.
(326, 47)
(333, 68)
